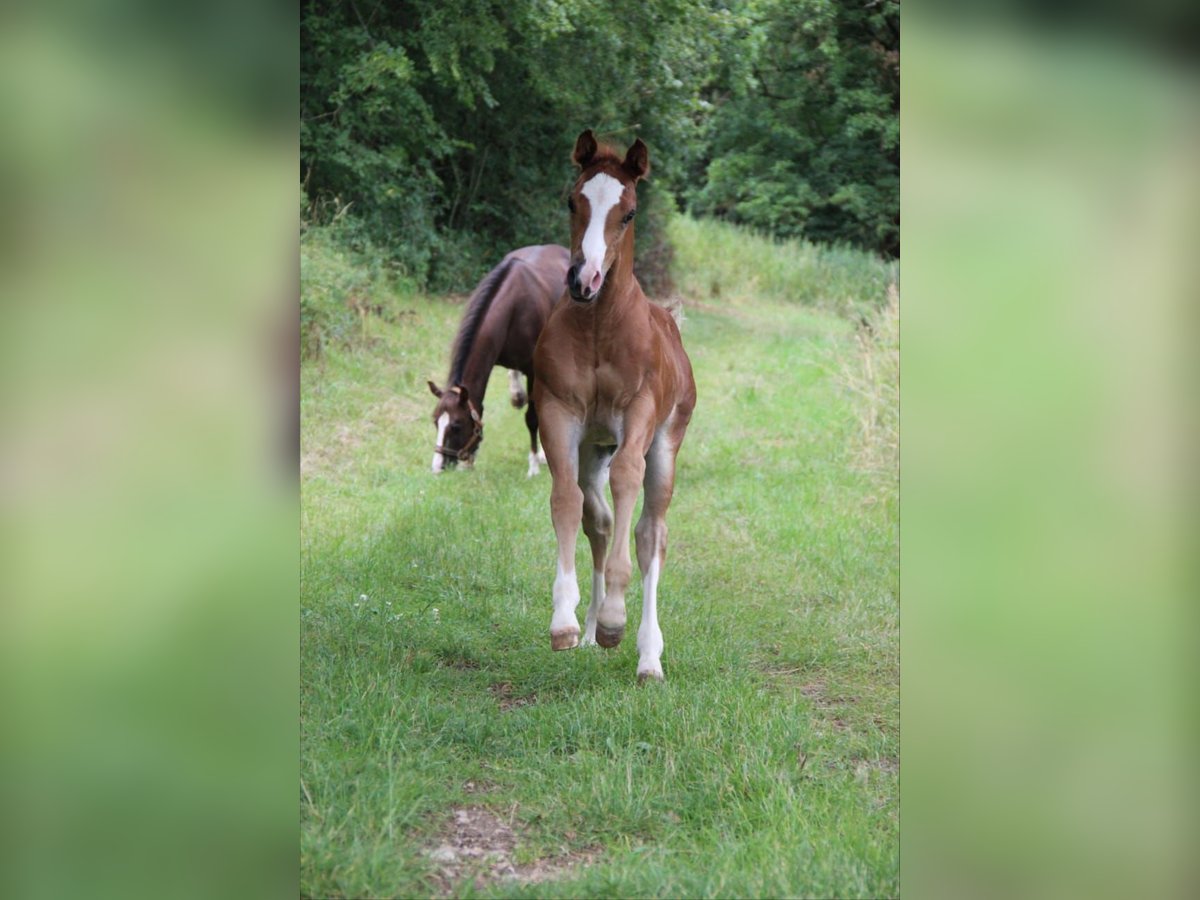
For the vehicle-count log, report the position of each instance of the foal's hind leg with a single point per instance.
(597, 525)
(535, 456)
(540, 451)
(628, 468)
(651, 536)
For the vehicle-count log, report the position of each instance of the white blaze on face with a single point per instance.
(438, 459)
(603, 193)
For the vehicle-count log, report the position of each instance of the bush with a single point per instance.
(654, 254)
(335, 290)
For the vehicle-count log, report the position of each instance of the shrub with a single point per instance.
(333, 287)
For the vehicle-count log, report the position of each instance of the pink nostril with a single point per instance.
(594, 284)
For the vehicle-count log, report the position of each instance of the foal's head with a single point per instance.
(603, 203)
(459, 428)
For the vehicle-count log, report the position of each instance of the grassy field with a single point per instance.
(446, 749)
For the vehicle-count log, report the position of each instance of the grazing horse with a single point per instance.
(614, 392)
(500, 328)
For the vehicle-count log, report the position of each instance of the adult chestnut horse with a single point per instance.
(504, 317)
(614, 392)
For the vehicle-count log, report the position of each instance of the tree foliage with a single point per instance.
(447, 124)
(804, 140)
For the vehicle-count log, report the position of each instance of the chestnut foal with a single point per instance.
(614, 393)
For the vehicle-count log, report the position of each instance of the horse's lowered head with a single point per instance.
(459, 427)
(602, 203)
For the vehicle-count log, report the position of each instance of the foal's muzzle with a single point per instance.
(574, 287)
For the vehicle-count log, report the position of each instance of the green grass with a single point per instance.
(765, 765)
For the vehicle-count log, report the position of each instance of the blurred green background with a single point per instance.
(148, 637)
(148, 269)
(1048, 556)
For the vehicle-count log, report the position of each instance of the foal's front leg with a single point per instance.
(560, 437)
(566, 509)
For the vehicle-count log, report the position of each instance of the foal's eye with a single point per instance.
(629, 217)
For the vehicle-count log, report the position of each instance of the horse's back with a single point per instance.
(533, 285)
(541, 280)
(542, 254)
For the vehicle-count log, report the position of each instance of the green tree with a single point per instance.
(805, 137)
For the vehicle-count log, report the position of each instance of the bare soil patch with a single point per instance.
(503, 692)
(461, 663)
(339, 450)
(477, 844)
(816, 691)
(336, 453)
(480, 787)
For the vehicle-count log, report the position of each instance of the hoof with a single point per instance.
(564, 640)
(650, 675)
(609, 637)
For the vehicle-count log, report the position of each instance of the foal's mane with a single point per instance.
(477, 309)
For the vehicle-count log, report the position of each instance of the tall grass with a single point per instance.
(720, 264)
(345, 283)
(328, 282)
(735, 266)
(873, 375)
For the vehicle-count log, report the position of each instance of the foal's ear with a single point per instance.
(585, 149)
(433, 389)
(637, 161)
(464, 396)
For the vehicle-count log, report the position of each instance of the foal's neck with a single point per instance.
(621, 290)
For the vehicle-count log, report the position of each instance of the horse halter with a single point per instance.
(464, 452)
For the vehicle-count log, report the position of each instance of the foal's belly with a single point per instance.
(603, 430)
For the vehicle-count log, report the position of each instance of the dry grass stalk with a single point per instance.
(874, 377)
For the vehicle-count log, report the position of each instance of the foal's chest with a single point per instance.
(612, 388)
